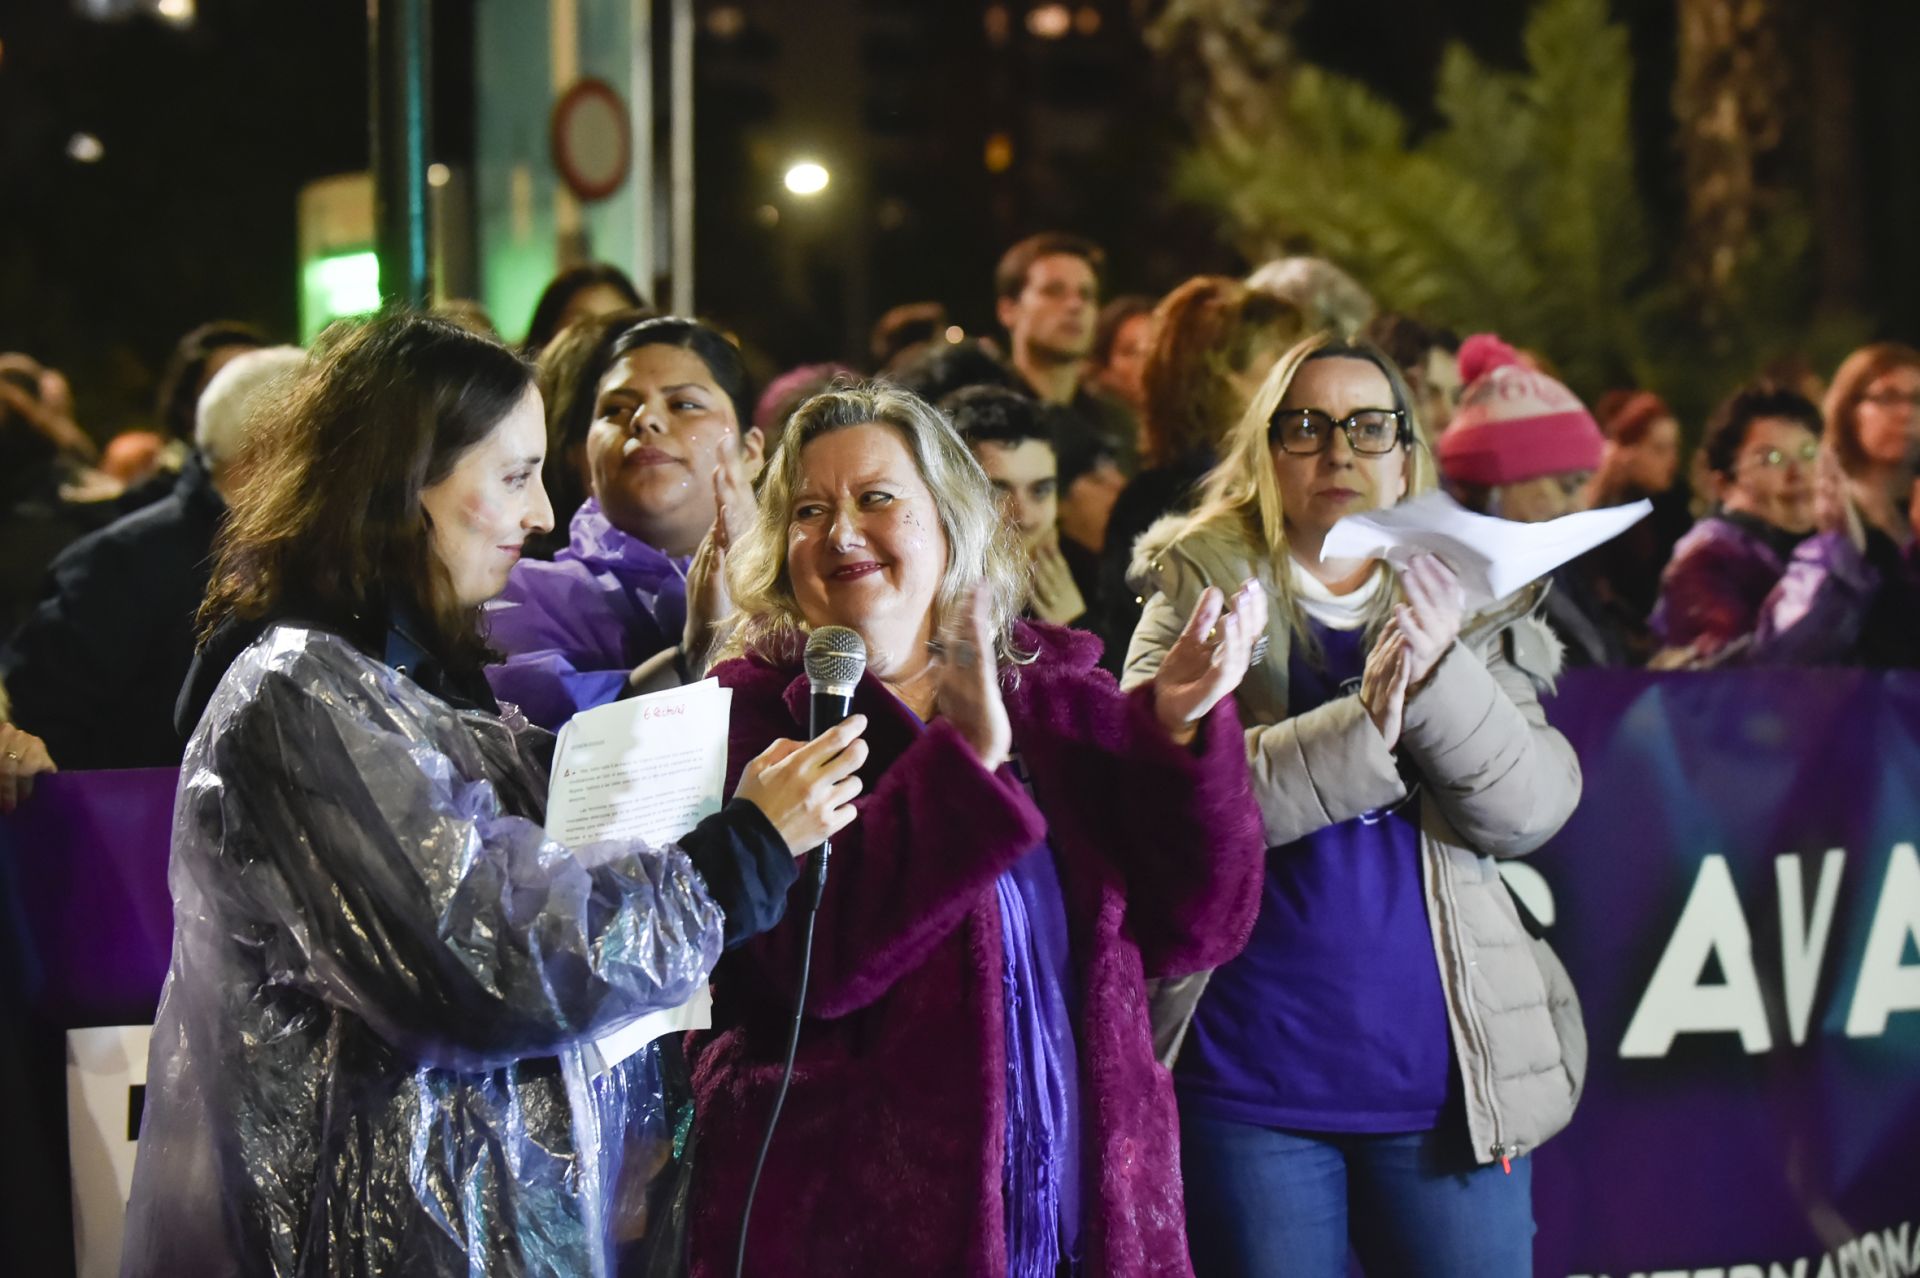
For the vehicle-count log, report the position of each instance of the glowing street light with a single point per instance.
(1050, 21)
(807, 178)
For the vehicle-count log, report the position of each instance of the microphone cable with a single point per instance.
(836, 657)
(818, 881)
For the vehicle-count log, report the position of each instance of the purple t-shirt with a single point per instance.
(1332, 1019)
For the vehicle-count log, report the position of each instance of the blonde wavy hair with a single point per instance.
(1240, 497)
(981, 545)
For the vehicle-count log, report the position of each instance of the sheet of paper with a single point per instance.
(608, 1050)
(648, 768)
(1492, 557)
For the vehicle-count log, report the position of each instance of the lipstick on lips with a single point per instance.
(854, 572)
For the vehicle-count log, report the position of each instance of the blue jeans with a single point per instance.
(1265, 1203)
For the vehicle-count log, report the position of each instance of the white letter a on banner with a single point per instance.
(1886, 985)
(1676, 1002)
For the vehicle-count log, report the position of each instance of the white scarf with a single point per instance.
(1335, 612)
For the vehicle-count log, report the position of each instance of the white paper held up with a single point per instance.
(648, 768)
(1491, 557)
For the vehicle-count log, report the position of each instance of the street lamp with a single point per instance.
(807, 178)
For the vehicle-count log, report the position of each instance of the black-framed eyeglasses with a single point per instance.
(1371, 432)
(1774, 458)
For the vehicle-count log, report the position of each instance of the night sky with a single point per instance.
(209, 133)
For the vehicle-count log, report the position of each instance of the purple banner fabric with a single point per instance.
(1738, 901)
(88, 862)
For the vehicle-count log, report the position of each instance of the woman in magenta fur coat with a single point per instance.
(976, 1091)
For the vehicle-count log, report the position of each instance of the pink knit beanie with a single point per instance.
(1513, 423)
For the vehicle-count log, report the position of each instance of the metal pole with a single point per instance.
(682, 76)
(399, 40)
(640, 121)
(569, 223)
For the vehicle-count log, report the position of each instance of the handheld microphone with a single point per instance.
(836, 658)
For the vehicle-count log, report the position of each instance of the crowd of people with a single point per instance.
(1165, 930)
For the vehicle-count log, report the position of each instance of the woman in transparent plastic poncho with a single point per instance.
(371, 1054)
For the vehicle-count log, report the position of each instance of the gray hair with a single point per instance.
(245, 386)
(981, 546)
(1326, 296)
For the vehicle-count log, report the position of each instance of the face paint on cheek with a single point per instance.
(482, 515)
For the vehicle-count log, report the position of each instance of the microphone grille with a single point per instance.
(836, 657)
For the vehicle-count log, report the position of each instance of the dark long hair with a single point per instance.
(329, 524)
(560, 290)
(568, 374)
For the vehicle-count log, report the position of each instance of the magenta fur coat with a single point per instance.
(889, 1153)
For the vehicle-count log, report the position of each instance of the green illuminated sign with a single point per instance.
(337, 286)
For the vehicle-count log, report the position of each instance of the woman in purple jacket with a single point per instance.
(665, 451)
(1777, 574)
(975, 1090)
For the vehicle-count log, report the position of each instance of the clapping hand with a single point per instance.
(1429, 620)
(708, 604)
(1209, 658)
(1384, 684)
(968, 693)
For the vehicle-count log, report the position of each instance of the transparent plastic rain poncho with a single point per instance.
(368, 1055)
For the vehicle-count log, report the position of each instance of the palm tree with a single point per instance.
(1521, 213)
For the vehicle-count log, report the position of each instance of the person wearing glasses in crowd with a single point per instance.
(1374, 1069)
(1777, 574)
(1872, 412)
(1872, 416)
(975, 1090)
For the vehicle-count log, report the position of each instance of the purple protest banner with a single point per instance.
(89, 853)
(1738, 901)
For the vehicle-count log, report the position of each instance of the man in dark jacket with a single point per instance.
(95, 669)
(1047, 291)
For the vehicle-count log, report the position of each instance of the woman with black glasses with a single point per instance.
(1374, 1067)
(1778, 573)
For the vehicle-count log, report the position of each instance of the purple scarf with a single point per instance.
(1041, 1177)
